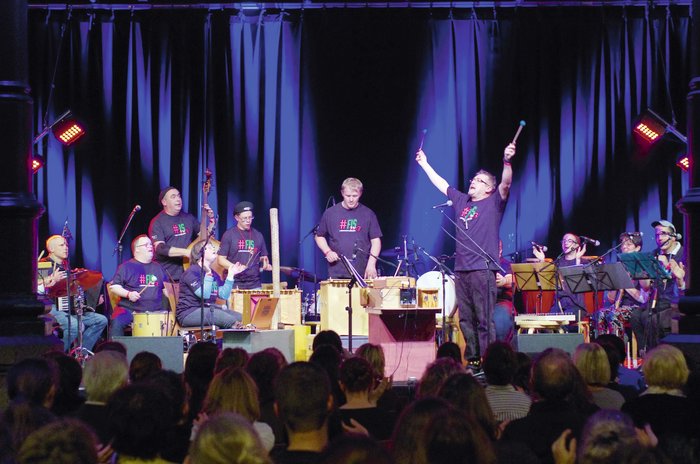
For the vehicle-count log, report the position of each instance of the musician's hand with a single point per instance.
(55, 278)
(581, 251)
(266, 266)
(500, 280)
(332, 256)
(677, 269)
(134, 296)
(236, 268)
(421, 157)
(509, 152)
(370, 271)
(539, 254)
(209, 211)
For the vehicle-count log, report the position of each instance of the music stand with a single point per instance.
(355, 278)
(534, 277)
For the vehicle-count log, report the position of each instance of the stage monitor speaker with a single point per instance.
(689, 345)
(168, 349)
(537, 343)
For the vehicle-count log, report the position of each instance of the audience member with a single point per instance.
(463, 392)
(626, 377)
(627, 391)
(234, 390)
(303, 402)
(226, 438)
(328, 358)
(435, 374)
(355, 449)
(109, 345)
(412, 427)
(263, 367)
(523, 366)
(143, 365)
(199, 370)
(500, 364)
(65, 441)
(68, 398)
(382, 393)
(104, 374)
(231, 357)
(328, 337)
(592, 363)
(450, 350)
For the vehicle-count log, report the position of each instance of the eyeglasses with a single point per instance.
(246, 219)
(662, 234)
(144, 245)
(568, 240)
(479, 179)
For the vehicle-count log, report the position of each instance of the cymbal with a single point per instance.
(79, 278)
(297, 273)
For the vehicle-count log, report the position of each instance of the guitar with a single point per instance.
(204, 229)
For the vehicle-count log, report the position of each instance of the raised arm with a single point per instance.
(434, 177)
(507, 175)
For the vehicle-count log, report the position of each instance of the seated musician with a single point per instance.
(634, 299)
(139, 283)
(215, 287)
(55, 274)
(572, 254)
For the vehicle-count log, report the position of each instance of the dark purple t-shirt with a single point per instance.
(147, 279)
(176, 231)
(480, 220)
(243, 246)
(345, 230)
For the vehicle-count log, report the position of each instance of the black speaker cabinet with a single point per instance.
(689, 345)
(536, 343)
(168, 349)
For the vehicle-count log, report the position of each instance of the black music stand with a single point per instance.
(642, 266)
(355, 278)
(534, 277)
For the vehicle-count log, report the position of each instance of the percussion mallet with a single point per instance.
(517, 133)
(153, 279)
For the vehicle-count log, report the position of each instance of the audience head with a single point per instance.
(328, 337)
(328, 359)
(613, 355)
(604, 434)
(355, 449)
(140, 419)
(231, 357)
(499, 364)
(374, 355)
(143, 365)
(435, 375)
(450, 350)
(455, 438)
(233, 390)
(466, 394)
(613, 341)
(665, 367)
(523, 367)
(104, 373)
(303, 397)
(356, 375)
(70, 375)
(199, 370)
(552, 375)
(66, 441)
(412, 427)
(592, 363)
(227, 438)
(277, 354)
(34, 380)
(263, 367)
(171, 385)
(108, 345)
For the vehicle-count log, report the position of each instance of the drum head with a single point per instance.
(433, 279)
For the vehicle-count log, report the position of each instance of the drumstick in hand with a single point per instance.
(153, 280)
(517, 133)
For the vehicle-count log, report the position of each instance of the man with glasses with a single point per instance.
(139, 283)
(478, 214)
(670, 255)
(245, 245)
(172, 231)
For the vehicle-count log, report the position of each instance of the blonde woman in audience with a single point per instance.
(234, 390)
(226, 438)
(592, 362)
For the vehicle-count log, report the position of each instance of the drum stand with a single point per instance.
(79, 352)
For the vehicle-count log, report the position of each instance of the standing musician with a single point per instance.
(54, 276)
(215, 287)
(139, 283)
(172, 230)
(670, 255)
(346, 227)
(480, 211)
(245, 245)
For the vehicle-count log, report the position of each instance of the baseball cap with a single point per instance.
(163, 192)
(664, 223)
(242, 207)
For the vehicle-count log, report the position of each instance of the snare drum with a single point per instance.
(433, 280)
(150, 324)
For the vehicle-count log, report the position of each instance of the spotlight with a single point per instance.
(683, 162)
(68, 131)
(650, 128)
(37, 163)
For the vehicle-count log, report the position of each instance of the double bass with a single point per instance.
(204, 229)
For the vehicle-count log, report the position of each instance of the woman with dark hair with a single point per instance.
(143, 365)
(466, 394)
(199, 370)
(356, 381)
(263, 367)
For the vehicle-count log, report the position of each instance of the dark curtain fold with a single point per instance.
(282, 106)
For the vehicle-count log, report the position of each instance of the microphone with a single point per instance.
(354, 251)
(443, 205)
(136, 209)
(539, 247)
(592, 241)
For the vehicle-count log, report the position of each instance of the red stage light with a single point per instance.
(649, 128)
(68, 131)
(683, 162)
(37, 163)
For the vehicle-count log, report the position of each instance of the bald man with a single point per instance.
(54, 273)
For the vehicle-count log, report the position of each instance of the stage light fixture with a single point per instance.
(68, 131)
(683, 162)
(650, 127)
(37, 163)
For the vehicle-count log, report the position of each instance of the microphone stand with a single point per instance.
(368, 253)
(316, 283)
(201, 296)
(118, 249)
(444, 270)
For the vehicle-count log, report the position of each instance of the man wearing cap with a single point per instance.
(139, 283)
(670, 255)
(172, 231)
(245, 245)
(350, 229)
